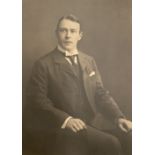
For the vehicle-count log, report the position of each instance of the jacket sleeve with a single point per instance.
(106, 104)
(37, 95)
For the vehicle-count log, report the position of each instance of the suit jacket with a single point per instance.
(53, 94)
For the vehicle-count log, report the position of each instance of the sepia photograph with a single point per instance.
(77, 77)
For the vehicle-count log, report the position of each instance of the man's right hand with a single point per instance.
(75, 124)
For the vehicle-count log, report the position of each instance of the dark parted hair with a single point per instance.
(70, 17)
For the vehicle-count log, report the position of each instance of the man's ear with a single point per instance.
(81, 35)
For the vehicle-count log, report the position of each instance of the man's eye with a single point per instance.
(73, 31)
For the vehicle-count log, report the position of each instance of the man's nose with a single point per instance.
(68, 34)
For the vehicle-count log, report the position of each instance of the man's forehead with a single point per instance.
(66, 23)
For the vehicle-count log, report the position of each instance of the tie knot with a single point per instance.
(73, 59)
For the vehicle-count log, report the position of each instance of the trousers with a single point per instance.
(91, 141)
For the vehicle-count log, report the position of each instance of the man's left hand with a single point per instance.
(124, 124)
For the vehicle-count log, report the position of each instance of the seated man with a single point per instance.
(69, 112)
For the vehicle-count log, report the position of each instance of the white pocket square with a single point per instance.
(92, 73)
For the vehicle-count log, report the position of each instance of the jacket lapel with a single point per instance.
(63, 63)
(83, 60)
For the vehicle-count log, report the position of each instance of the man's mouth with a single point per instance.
(67, 42)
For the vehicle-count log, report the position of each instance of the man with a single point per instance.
(68, 107)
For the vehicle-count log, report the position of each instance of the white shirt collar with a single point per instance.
(74, 52)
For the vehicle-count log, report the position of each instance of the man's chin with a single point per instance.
(67, 48)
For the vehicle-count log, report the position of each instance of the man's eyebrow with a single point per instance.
(73, 29)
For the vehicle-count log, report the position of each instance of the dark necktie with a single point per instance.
(72, 59)
(75, 65)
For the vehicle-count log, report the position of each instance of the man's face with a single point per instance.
(68, 34)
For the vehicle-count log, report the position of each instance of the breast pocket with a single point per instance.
(92, 76)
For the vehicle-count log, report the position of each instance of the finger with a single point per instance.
(75, 126)
(123, 128)
(73, 129)
(79, 125)
(127, 126)
(82, 124)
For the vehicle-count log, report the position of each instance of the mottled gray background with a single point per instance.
(107, 37)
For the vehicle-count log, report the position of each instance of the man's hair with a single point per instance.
(69, 17)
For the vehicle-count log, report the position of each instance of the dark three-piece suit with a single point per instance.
(56, 91)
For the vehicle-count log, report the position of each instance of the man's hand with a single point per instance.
(124, 124)
(75, 124)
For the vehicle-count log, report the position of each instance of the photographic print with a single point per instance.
(77, 77)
